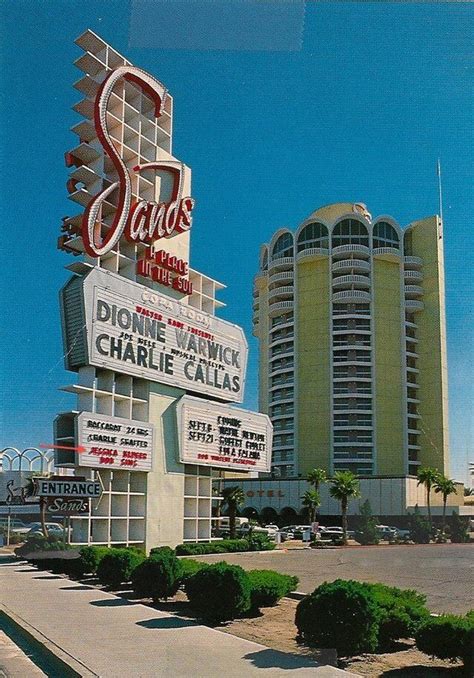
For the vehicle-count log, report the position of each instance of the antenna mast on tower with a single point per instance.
(440, 192)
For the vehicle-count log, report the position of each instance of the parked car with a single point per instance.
(386, 532)
(54, 529)
(332, 528)
(400, 532)
(246, 528)
(330, 536)
(16, 525)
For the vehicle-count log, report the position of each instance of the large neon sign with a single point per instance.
(144, 221)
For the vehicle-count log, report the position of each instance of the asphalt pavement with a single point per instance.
(443, 572)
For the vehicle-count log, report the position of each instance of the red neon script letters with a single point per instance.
(145, 221)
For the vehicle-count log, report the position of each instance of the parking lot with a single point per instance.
(443, 572)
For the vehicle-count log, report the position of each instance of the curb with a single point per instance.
(25, 634)
(297, 595)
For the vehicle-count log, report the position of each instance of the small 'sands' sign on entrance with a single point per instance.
(66, 506)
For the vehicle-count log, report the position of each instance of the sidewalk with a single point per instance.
(99, 634)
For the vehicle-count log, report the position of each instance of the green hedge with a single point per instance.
(117, 565)
(90, 557)
(448, 637)
(324, 617)
(342, 614)
(258, 543)
(38, 542)
(268, 586)
(189, 568)
(219, 592)
(401, 612)
(158, 576)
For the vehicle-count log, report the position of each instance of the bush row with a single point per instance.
(258, 542)
(218, 592)
(449, 637)
(356, 617)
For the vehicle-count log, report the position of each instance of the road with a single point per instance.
(443, 572)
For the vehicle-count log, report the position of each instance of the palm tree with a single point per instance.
(444, 486)
(232, 497)
(345, 486)
(311, 501)
(428, 476)
(316, 477)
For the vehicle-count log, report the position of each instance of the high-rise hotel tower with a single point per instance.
(349, 313)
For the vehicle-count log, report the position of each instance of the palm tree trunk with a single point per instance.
(43, 516)
(445, 499)
(429, 507)
(232, 512)
(344, 518)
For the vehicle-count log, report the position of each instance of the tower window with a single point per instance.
(384, 235)
(350, 232)
(313, 235)
(283, 246)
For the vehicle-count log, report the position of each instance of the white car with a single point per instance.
(246, 528)
(54, 529)
(386, 532)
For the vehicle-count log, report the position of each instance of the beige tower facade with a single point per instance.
(349, 313)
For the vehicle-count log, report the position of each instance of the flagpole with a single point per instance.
(440, 192)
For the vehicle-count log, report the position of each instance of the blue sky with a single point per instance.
(340, 102)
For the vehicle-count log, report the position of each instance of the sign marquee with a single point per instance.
(132, 330)
(212, 434)
(113, 442)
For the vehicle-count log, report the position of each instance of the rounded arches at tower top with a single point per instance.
(264, 257)
(350, 229)
(386, 233)
(314, 233)
(282, 244)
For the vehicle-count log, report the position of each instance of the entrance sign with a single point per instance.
(211, 434)
(157, 341)
(113, 442)
(67, 486)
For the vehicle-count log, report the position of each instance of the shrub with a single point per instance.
(117, 565)
(269, 586)
(162, 549)
(367, 530)
(189, 568)
(448, 637)
(158, 576)
(257, 541)
(219, 592)
(458, 528)
(341, 614)
(401, 612)
(223, 546)
(90, 557)
(420, 531)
